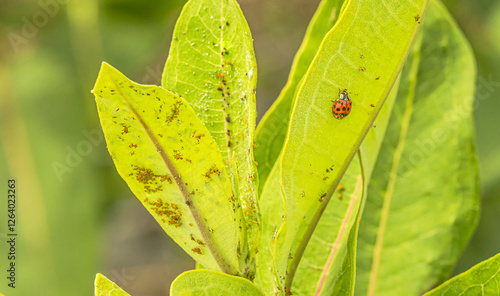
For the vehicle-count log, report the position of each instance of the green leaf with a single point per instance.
(482, 279)
(423, 200)
(271, 132)
(212, 66)
(51, 147)
(171, 163)
(212, 283)
(322, 258)
(328, 264)
(105, 287)
(327, 267)
(363, 56)
(314, 261)
(272, 211)
(271, 201)
(270, 136)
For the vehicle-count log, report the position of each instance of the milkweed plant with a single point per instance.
(361, 179)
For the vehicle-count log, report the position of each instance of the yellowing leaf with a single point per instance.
(172, 164)
(105, 287)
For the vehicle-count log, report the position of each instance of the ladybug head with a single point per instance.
(344, 96)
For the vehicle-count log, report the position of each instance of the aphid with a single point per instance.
(215, 170)
(342, 106)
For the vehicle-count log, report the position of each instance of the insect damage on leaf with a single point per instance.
(211, 64)
(148, 178)
(162, 150)
(168, 213)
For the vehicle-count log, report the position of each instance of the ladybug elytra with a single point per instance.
(342, 106)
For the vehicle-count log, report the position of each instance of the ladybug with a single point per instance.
(342, 106)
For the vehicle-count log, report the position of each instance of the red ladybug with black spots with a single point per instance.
(342, 106)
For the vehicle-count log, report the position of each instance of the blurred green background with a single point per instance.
(75, 216)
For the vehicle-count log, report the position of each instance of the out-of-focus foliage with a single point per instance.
(50, 141)
(480, 21)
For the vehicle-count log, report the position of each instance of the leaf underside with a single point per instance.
(212, 65)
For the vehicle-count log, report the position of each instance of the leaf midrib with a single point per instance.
(225, 97)
(216, 254)
(377, 252)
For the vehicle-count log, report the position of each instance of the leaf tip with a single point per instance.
(105, 71)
